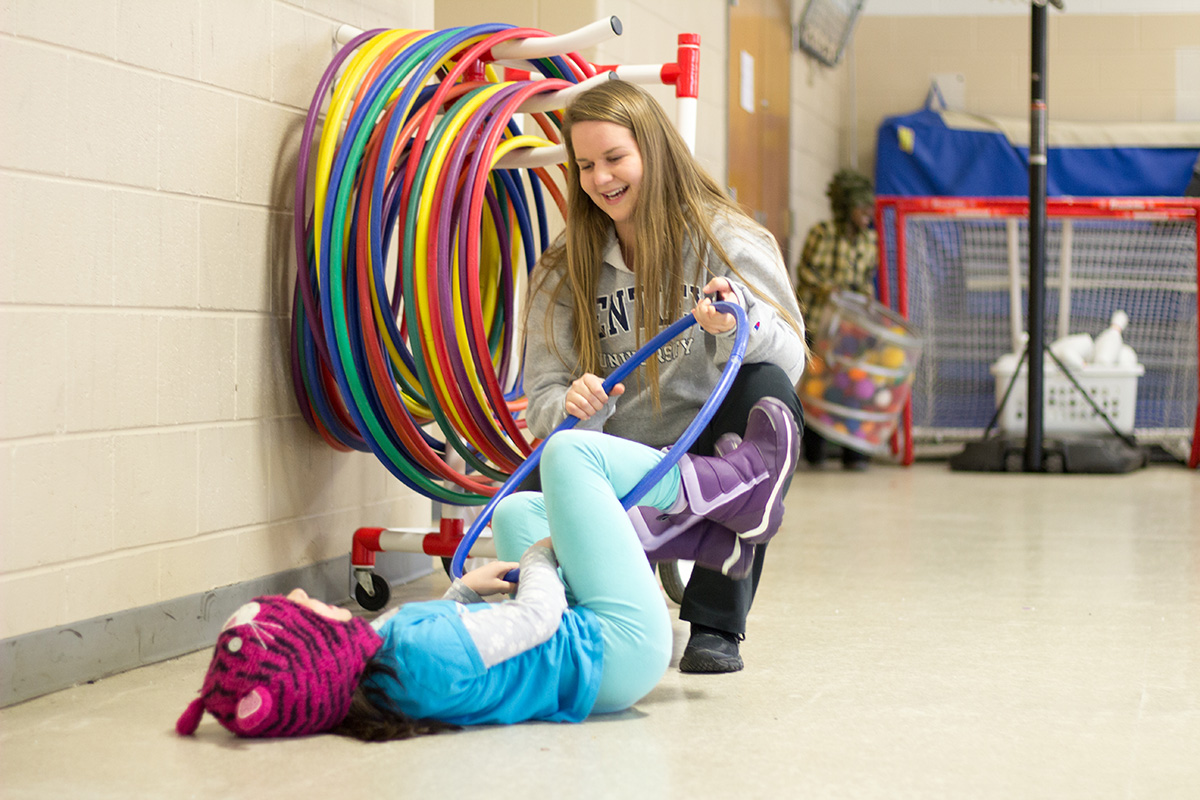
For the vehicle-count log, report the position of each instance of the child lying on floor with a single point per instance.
(594, 641)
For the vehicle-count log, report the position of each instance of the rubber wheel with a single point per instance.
(673, 580)
(376, 601)
(446, 563)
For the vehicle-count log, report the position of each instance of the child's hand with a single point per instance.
(711, 320)
(586, 396)
(489, 579)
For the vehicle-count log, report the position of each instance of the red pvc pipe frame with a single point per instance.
(1172, 208)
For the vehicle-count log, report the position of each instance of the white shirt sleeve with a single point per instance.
(508, 628)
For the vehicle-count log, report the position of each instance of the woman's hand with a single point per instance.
(586, 396)
(489, 579)
(711, 320)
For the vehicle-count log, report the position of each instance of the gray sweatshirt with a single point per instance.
(689, 366)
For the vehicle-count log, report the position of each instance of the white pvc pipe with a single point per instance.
(685, 119)
(552, 101)
(1017, 326)
(544, 46)
(537, 47)
(345, 33)
(640, 73)
(531, 157)
(412, 540)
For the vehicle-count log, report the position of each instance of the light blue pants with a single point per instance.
(584, 475)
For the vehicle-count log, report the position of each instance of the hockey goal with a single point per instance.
(957, 268)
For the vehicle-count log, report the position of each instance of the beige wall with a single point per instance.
(820, 144)
(150, 444)
(1101, 67)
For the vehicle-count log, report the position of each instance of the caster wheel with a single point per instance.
(674, 577)
(376, 601)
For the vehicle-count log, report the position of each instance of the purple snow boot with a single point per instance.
(687, 537)
(742, 489)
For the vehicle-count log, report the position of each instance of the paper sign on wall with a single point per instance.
(747, 83)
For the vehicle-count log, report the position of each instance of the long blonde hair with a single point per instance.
(677, 201)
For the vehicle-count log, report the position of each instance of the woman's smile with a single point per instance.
(610, 168)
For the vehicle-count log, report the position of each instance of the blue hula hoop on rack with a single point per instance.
(677, 451)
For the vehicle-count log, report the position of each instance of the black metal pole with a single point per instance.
(1037, 240)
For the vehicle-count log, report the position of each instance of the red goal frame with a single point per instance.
(891, 213)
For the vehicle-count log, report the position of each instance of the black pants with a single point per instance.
(814, 450)
(712, 599)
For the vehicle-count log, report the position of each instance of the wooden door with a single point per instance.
(759, 110)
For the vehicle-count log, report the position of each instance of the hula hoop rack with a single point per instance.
(420, 209)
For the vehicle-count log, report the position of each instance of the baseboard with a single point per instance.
(40, 662)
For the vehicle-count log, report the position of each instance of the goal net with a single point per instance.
(957, 268)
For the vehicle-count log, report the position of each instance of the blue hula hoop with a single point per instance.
(677, 451)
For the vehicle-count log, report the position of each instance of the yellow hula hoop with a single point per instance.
(335, 121)
(421, 265)
(460, 316)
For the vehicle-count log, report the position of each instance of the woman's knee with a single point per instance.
(753, 383)
(756, 381)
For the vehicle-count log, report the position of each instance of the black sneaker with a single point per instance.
(710, 650)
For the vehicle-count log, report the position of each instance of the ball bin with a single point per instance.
(864, 355)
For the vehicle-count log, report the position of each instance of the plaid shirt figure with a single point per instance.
(832, 261)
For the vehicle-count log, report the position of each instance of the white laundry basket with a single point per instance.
(1114, 390)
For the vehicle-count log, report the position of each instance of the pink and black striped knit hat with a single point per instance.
(280, 669)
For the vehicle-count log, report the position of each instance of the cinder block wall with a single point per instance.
(149, 442)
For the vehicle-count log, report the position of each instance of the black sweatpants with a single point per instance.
(712, 599)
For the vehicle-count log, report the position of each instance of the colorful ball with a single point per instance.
(892, 357)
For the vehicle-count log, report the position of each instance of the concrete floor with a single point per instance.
(918, 633)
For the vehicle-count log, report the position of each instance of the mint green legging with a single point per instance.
(584, 474)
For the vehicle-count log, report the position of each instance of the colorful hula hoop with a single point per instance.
(411, 246)
(677, 450)
(414, 126)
